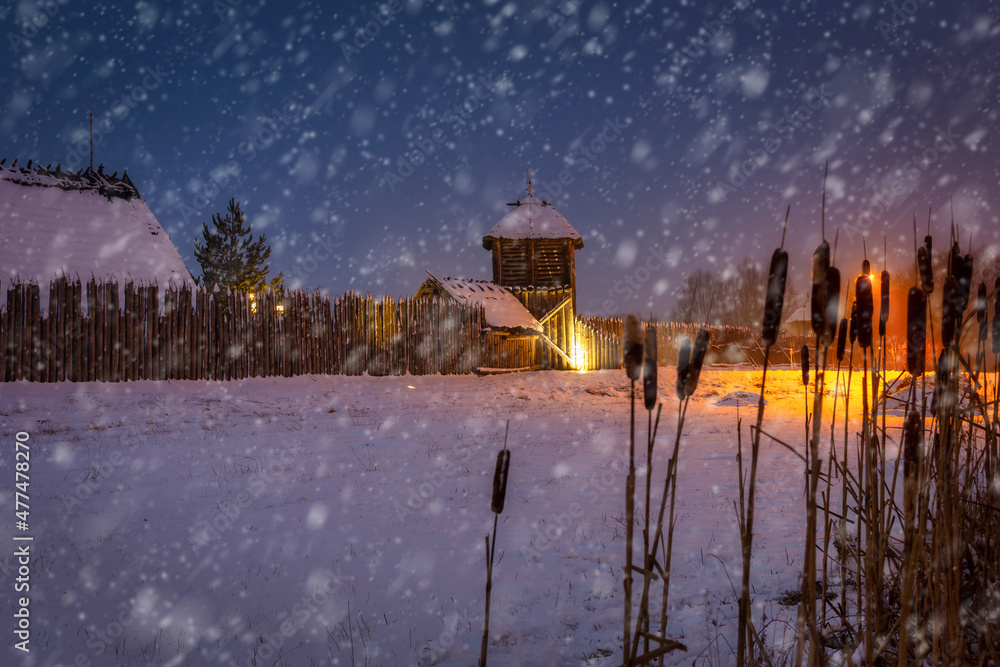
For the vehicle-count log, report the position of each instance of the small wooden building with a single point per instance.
(505, 314)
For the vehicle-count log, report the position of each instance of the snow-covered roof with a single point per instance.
(532, 218)
(503, 310)
(81, 223)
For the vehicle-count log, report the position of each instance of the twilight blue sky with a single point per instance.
(371, 141)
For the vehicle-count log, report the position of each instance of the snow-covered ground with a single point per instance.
(341, 520)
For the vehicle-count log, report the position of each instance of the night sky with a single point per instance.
(371, 141)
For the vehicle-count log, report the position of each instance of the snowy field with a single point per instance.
(341, 520)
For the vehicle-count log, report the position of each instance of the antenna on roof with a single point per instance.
(92, 129)
(529, 183)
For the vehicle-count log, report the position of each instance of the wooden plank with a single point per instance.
(555, 348)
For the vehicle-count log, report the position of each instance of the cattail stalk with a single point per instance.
(496, 505)
(649, 399)
(980, 311)
(912, 442)
(632, 359)
(772, 318)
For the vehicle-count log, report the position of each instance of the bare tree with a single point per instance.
(699, 300)
(736, 299)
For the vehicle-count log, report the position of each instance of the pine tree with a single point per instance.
(230, 258)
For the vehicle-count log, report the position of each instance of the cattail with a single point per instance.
(955, 260)
(943, 394)
(832, 308)
(981, 310)
(964, 275)
(841, 339)
(683, 365)
(883, 312)
(816, 308)
(632, 347)
(913, 437)
(805, 365)
(996, 317)
(926, 270)
(854, 322)
(697, 359)
(950, 312)
(500, 481)
(916, 331)
(981, 302)
(866, 308)
(821, 262)
(649, 369)
(775, 296)
(821, 265)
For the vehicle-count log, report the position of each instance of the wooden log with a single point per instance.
(15, 304)
(36, 362)
(26, 342)
(201, 334)
(158, 325)
(114, 332)
(128, 354)
(189, 338)
(52, 339)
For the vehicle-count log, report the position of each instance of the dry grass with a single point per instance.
(915, 542)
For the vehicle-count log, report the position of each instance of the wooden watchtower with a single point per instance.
(533, 250)
(533, 247)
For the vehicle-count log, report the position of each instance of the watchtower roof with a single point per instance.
(532, 218)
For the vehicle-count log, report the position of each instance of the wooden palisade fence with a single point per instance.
(99, 332)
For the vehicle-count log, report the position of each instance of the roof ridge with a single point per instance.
(82, 180)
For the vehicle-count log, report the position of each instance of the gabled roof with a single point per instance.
(532, 218)
(83, 223)
(503, 310)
